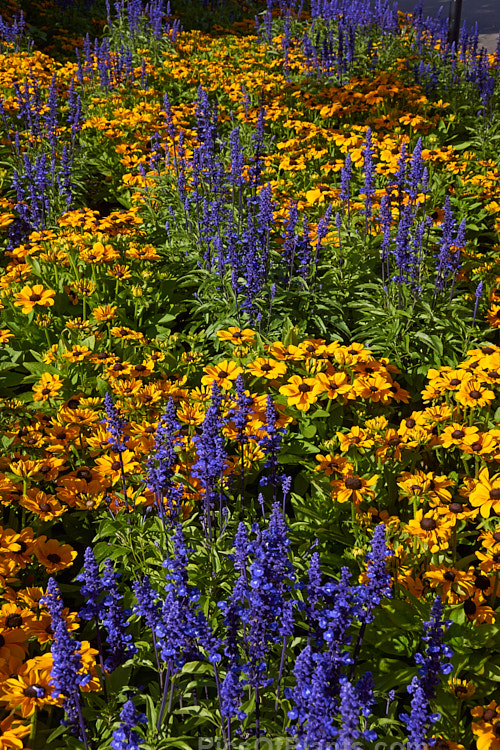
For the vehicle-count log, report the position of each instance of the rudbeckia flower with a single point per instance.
(301, 392)
(486, 493)
(224, 373)
(54, 556)
(28, 297)
(237, 336)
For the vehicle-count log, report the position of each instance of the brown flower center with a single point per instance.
(54, 558)
(266, 367)
(475, 394)
(35, 297)
(469, 607)
(449, 576)
(410, 423)
(457, 434)
(353, 483)
(116, 465)
(482, 583)
(495, 493)
(455, 507)
(304, 388)
(13, 621)
(489, 714)
(428, 524)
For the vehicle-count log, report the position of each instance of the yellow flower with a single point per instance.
(47, 387)
(486, 493)
(28, 297)
(301, 392)
(237, 336)
(104, 313)
(223, 373)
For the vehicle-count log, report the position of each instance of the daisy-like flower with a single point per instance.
(104, 313)
(456, 434)
(54, 556)
(473, 393)
(461, 689)
(46, 507)
(486, 493)
(29, 296)
(453, 584)
(301, 392)
(109, 467)
(375, 388)
(353, 488)
(265, 367)
(223, 373)
(432, 531)
(333, 464)
(237, 336)
(47, 387)
(335, 384)
(30, 689)
(357, 437)
(493, 316)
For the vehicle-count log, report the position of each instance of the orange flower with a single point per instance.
(301, 392)
(28, 297)
(31, 688)
(330, 464)
(353, 488)
(54, 556)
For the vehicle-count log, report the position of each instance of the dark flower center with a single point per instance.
(45, 468)
(449, 576)
(495, 493)
(496, 536)
(428, 524)
(454, 381)
(476, 446)
(118, 367)
(475, 394)
(304, 388)
(23, 546)
(469, 607)
(489, 714)
(54, 558)
(223, 374)
(456, 507)
(496, 557)
(353, 483)
(410, 423)
(116, 465)
(266, 367)
(140, 368)
(482, 582)
(394, 441)
(457, 434)
(44, 507)
(84, 474)
(60, 434)
(35, 297)
(13, 621)
(45, 391)
(149, 430)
